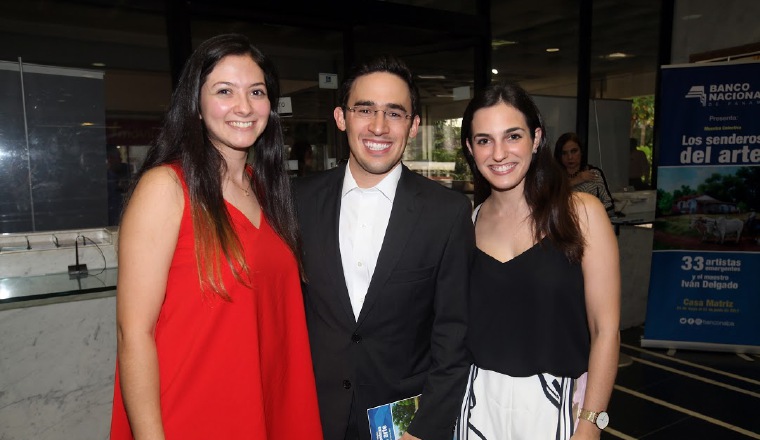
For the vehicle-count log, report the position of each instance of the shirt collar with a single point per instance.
(387, 186)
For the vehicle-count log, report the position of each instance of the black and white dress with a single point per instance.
(530, 342)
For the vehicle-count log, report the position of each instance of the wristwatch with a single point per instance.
(601, 419)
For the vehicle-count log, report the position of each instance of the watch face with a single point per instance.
(602, 420)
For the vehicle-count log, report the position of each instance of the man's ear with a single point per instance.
(415, 127)
(340, 118)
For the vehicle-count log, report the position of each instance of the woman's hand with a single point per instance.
(585, 176)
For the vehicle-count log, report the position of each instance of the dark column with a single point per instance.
(349, 58)
(178, 35)
(667, 11)
(585, 11)
(482, 49)
(482, 77)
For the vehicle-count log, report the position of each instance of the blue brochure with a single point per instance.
(390, 421)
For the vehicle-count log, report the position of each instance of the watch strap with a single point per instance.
(588, 415)
(593, 417)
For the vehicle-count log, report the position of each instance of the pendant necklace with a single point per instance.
(245, 190)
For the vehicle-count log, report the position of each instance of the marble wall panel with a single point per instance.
(57, 366)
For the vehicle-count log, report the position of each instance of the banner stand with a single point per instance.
(704, 291)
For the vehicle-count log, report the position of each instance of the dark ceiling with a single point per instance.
(131, 36)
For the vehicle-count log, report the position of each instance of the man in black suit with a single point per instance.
(386, 254)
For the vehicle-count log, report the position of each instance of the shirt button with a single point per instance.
(347, 384)
(356, 338)
(359, 264)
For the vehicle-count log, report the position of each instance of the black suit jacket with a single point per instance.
(409, 337)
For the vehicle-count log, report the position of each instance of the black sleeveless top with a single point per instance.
(528, 315)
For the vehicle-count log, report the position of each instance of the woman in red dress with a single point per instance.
(212, 340)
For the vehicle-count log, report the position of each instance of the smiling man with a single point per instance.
(386, 254)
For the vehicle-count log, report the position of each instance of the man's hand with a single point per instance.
(408, 436)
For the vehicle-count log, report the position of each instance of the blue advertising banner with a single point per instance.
(704, 290)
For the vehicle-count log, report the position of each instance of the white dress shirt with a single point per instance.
(364, 215)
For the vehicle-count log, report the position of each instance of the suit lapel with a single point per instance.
(403, 218)
(329, 201)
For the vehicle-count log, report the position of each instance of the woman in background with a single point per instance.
(211, 334)
(544, 304)
(583, 177)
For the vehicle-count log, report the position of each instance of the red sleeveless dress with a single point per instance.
(239, 369)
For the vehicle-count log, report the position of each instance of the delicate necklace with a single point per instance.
(245, 190)
(575, 174)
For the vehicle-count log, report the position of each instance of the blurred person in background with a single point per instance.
(583, 177)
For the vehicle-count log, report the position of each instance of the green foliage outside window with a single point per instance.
(447, 147)
(642, 125)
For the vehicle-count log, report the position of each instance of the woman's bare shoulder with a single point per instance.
(158, 193)
(588, 207)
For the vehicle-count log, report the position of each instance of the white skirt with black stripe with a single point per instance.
(501, 407)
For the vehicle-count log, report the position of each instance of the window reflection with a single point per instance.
(62, 179)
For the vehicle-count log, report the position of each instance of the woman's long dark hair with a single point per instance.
(547, 189)
(561, 141)
(184, 140)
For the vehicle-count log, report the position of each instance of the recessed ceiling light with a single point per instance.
(617, 56)
(494, 71)
(553, 49)
(431, 76)
(99, 64)
(499, 43)
(87, 124)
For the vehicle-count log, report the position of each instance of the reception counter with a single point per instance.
(57, 339)
(37, 290)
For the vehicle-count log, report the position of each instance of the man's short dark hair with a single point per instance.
(384, 63)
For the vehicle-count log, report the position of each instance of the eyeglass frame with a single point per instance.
(374, 111)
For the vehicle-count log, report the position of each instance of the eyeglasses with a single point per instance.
(366, 112)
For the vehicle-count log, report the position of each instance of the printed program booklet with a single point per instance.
(390, 421)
